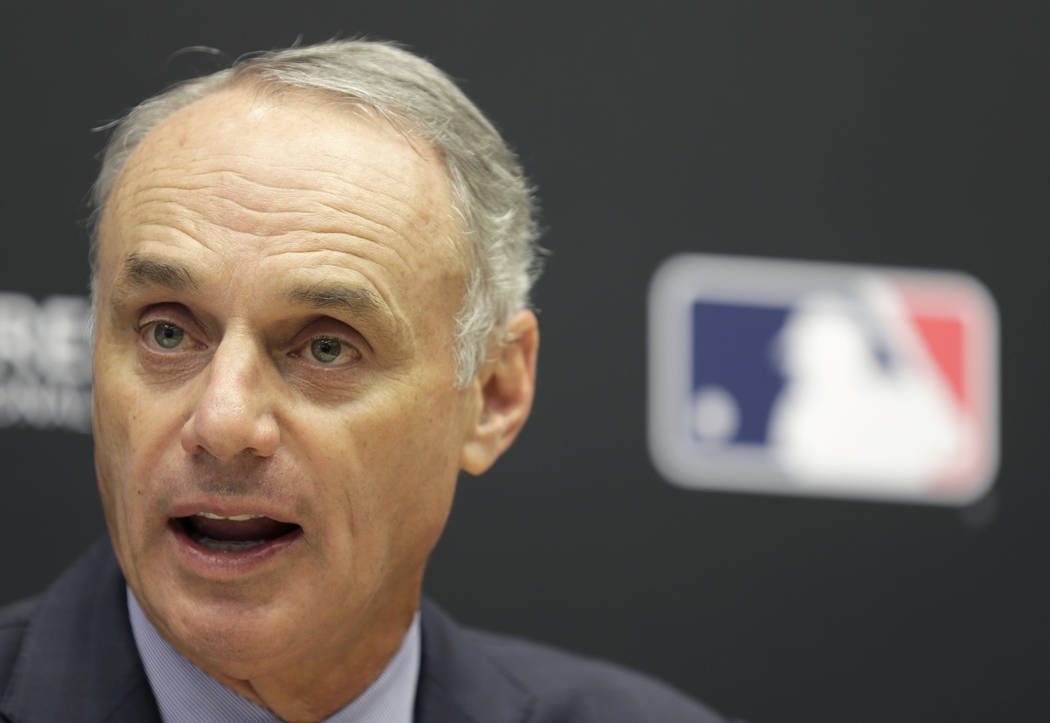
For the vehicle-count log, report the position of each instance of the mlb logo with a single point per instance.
(823, 379)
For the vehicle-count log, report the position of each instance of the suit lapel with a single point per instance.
(78, 659)
(459, 682)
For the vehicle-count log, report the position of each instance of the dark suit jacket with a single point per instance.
(69, 655)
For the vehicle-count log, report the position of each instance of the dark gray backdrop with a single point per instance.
(909, 134)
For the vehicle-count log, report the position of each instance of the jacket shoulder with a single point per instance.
(569, 687)
(70, 654)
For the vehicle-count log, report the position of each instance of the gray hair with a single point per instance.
(490, 192)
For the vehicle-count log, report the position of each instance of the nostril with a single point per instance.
(225, 433)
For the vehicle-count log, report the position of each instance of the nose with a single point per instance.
(234, 413)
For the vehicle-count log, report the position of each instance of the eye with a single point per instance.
(325, 349)
(329, 351)
(168, 336)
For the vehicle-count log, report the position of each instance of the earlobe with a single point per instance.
(504, 390)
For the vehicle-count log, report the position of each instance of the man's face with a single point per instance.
(275, 337)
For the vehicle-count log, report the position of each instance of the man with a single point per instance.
(310, 277)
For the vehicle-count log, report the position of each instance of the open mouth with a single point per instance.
(233, 534)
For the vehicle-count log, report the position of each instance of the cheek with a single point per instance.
(396, 470)
(112, 444)
(427, 450)
(111, 425)
(125, 438)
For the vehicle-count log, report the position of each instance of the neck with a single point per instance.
(324, 682)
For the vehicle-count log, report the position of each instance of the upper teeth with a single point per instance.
(235, 518)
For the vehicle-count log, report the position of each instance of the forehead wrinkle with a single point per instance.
(217, 170)
(160, 216)
(415, 211)
(372, 205)
(284, 175)
(425, 229)
(328, 208)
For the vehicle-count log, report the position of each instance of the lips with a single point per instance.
(234, 533)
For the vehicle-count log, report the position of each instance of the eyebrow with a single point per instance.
(140, 271)
(353, 299)
(359, 302)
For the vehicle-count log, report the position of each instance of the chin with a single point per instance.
(237, 638)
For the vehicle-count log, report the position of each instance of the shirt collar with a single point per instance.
(184, 692)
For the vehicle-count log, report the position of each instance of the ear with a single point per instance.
(503, 392)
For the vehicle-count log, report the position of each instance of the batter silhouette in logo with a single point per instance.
(847, 412)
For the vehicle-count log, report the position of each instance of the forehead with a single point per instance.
(271, 172)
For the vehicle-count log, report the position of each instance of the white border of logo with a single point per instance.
(684, 278)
